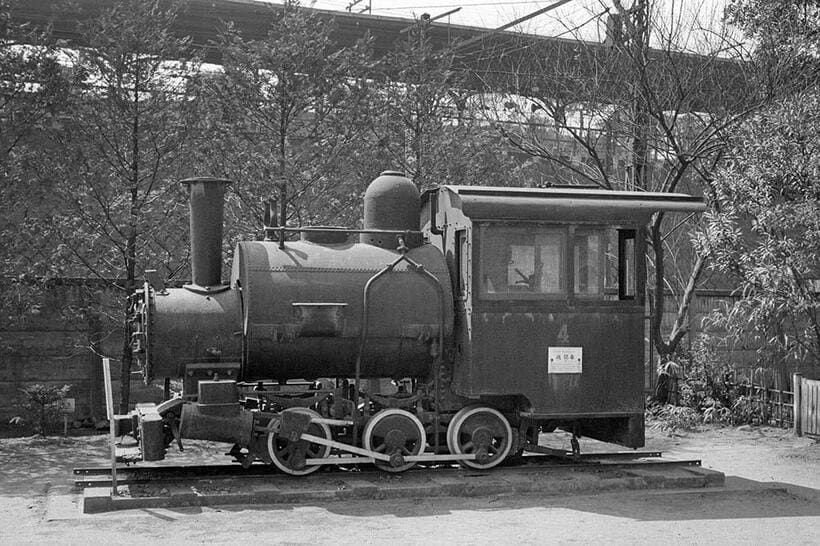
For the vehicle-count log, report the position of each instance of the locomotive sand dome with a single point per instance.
(391, 202)
(454, 326)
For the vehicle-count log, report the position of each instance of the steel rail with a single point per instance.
(100, 476)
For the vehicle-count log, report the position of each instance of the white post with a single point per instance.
(797, 380)
(109, 405)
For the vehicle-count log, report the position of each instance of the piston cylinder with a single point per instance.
(217, 415)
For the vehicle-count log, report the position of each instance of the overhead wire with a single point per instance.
(579, 26)
(568, 12)
(342, 5)
(575, 8)
(560, 35)
(461, 5)
(497, 4)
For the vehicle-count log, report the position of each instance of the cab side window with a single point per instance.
(541, 261)
(462, 264)
(627, 264)
(588, 263)
(522, 262)
(620, 280)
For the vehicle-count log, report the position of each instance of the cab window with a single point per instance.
(522, 262)
(463, 264)
(588, 263)
(627, 265)
(534, 261)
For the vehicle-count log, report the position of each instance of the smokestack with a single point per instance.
(207, 204)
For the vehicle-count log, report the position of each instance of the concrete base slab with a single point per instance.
(326, 487)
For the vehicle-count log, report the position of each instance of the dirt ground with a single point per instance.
(772, 495)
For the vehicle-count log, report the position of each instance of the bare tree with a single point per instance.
(284, 119)
(117, 154)
(32, 92)
(31, 82)
(421, 119)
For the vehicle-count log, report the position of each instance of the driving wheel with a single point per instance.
(294, 457)
(482, 431)
(397, 433)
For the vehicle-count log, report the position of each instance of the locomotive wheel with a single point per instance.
(482, 431)
(397, 433)
(294, 457)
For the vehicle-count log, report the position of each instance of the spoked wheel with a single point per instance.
(397, 433)
(294, 457)
(481, 431)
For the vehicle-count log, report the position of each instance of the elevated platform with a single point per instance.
(502, 59)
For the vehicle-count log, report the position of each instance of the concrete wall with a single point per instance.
(51, 337)
(743, 355)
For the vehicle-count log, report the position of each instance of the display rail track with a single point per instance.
(101, 476)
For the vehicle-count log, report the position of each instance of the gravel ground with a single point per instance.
(772, 495)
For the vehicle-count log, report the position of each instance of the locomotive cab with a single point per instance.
(549, 301)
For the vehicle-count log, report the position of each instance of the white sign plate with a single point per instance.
(67, 405)
(565, 359)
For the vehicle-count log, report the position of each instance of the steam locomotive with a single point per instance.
(454, 326)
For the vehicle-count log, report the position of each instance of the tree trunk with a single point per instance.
(680, 328)
(130, 286)
(131, 247)
(125, 370)
(656, 302)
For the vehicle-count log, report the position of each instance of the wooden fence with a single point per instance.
(807, 406)
(774, 407)
(798, 408)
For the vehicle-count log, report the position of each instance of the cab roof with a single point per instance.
(559, 203)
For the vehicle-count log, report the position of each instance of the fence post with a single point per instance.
(797, 379)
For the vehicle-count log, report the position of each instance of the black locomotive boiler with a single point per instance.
(454, 326)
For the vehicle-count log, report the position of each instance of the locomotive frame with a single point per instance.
(455, 326)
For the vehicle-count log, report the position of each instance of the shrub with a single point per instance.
(706, 389)
(705, 383)
(669, 418)
(714, 412)
(40, 407)
(748, 411)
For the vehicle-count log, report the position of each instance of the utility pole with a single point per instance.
(633, 38)
(640, 46)
(417, 35)
(630, 33)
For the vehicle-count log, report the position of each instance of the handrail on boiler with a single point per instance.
(417, 268)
